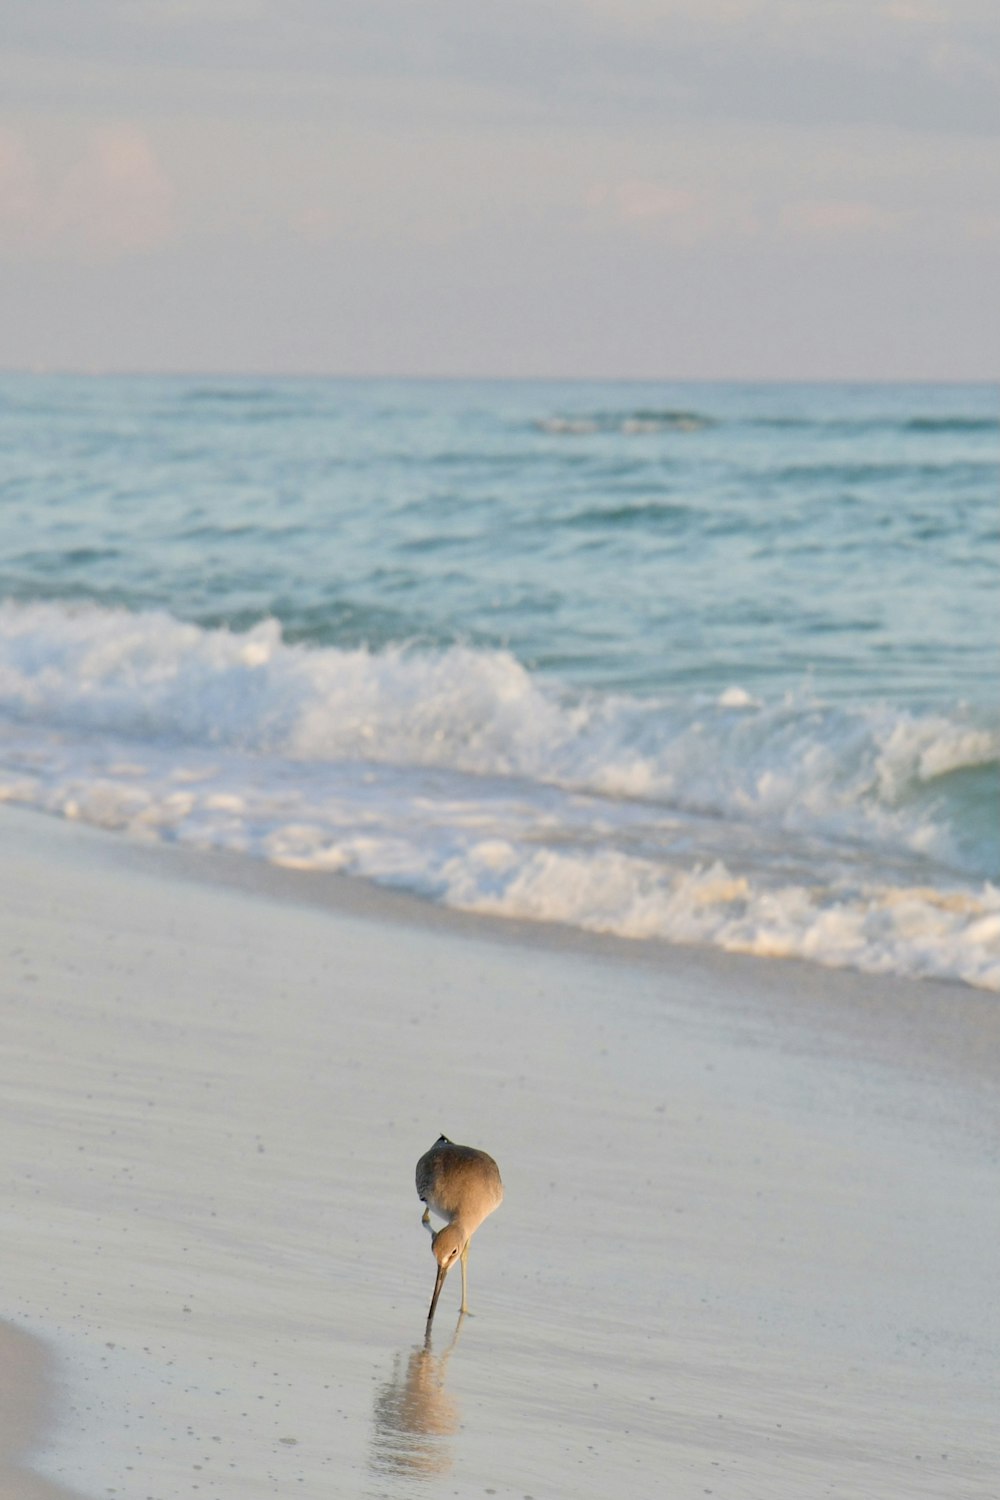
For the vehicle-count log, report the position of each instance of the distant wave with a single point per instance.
(644, 421)
(639, 513)
(244, 393)
(858, 836)
(631, 424)
(953, 424)
(870, 423)
(949, 473)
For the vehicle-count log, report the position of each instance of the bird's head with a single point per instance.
(448, 1245)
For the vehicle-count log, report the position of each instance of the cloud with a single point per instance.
(677, 214)
(983, 227)
(916, 64)
(18, 186)
(111, 201)
(645, 201)
(916, 12)
(834, 218)
(686, 216)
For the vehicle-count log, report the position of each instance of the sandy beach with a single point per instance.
(748, 1248)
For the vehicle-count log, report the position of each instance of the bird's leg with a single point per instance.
(444, 1358)
(465, 1260)
(427, 1215)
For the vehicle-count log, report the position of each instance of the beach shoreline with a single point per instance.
(748, 1241)
(790, 992)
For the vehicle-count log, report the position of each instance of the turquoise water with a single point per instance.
(694, 663)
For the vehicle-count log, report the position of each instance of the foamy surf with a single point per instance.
(845, 836)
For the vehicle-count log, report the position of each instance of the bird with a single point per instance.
(462, 1186)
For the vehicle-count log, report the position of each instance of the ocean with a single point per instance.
(706, 664)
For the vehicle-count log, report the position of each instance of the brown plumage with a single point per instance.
(461, 1185)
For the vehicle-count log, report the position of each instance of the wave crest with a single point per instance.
(799, 765)
(855, 835)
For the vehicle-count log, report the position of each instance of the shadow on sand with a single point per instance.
(27, 1411)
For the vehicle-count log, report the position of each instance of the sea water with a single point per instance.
(701, 663)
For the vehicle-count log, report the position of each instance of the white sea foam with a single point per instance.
(912, 931)
(630, 424)
(792, 828)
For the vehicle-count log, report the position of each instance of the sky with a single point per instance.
(664, 189)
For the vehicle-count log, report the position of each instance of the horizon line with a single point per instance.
(448, 378)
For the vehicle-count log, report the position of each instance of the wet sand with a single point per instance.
(748, 1247)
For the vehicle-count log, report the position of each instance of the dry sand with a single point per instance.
(749, 1246)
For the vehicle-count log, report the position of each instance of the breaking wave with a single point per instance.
(856, 836)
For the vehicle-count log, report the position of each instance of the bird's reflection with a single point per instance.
(414, 1414)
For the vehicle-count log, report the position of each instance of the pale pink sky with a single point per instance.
(678, 188)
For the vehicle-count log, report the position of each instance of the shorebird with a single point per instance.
(461, 1185)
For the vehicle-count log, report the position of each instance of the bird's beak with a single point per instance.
(439, 1283)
